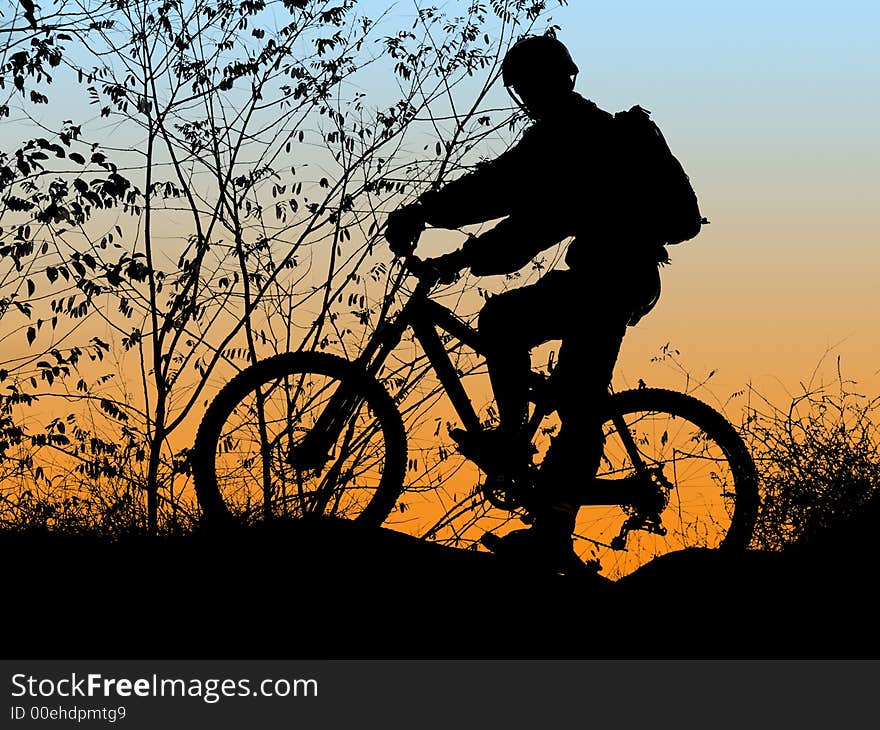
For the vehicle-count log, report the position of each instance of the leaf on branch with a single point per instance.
(112, 410)
(18, 204)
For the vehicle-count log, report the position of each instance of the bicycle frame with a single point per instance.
(315, 460)
(424, 316)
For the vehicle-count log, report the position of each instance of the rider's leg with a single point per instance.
(591, 314)
(583, 374)
(510, 325)
(586, 364)
(508, 359)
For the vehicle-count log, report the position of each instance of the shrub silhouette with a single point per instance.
(818, 462)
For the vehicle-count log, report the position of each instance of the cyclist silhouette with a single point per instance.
(556, 182)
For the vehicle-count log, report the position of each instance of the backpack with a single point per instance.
(658, 197)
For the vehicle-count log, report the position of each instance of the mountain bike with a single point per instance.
(310, 433)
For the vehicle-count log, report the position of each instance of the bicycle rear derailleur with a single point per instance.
(644, 511)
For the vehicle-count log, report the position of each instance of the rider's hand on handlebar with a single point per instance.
(403, 227)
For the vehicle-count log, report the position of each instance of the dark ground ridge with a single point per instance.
(334, 589)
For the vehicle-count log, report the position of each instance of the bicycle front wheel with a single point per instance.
(251, 461)
(704, 472)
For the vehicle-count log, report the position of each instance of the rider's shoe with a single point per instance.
(542, 550)
(493, 450)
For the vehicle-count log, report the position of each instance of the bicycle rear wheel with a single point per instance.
(250, 459)
(707, 477)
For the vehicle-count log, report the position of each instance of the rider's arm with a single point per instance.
(493, 190)
(506, 248)
(511, 244)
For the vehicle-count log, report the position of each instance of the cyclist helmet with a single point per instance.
(537, 58)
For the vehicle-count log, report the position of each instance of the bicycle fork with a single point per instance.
(316, 447)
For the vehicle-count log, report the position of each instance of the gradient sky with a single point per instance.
(772, 107)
